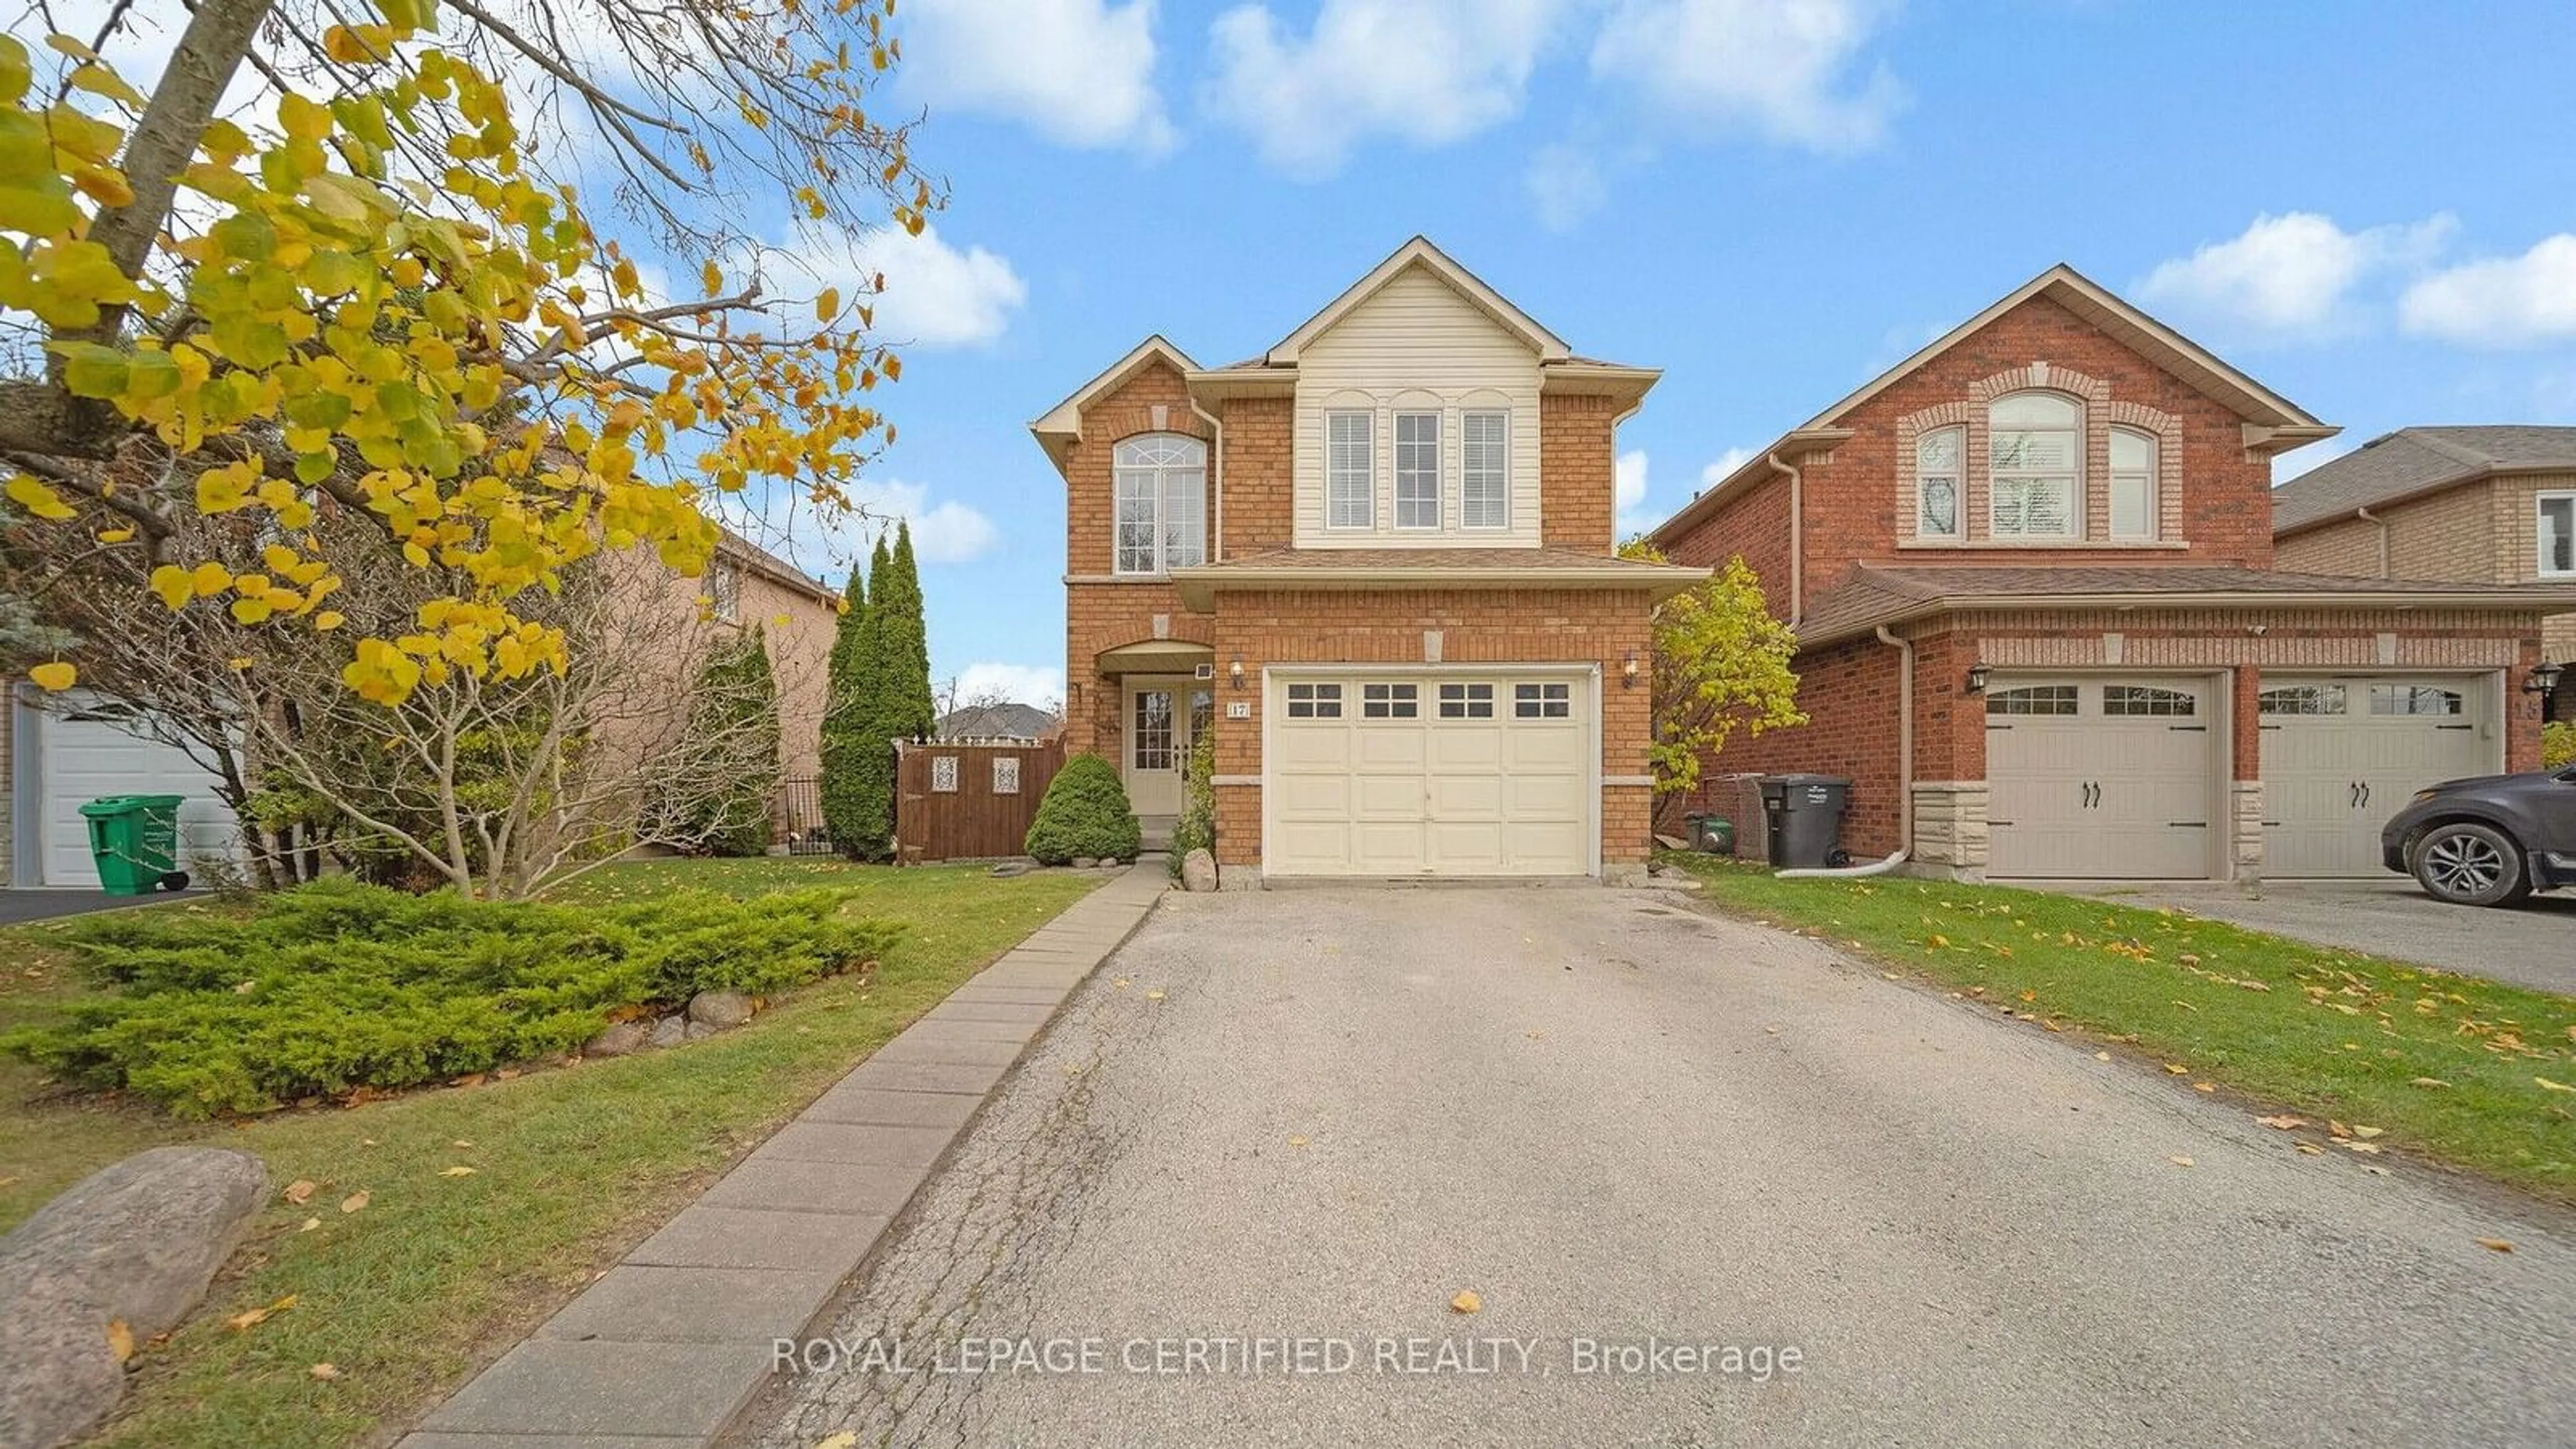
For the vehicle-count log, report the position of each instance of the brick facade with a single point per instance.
(1578, 468)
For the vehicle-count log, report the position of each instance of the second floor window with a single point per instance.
(1350, 469)
(1417, 470)
(1936, 482)
(2133, 485)
(2557, 534)
(2035, 441)
(1162, 503)
(1485, 485)
(724, 590)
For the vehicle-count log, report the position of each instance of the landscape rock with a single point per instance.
(620, 1039)
(138, 1242)
(670, 1031)
(719, 1010)
(1084, 862)
(699, 1030)
(1198, 871)
(1672, 842)
(1011, 868)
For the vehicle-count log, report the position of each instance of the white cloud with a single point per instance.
(1565, 183)
(1080, 71)
(1774, 66)
(1427, 72)
(2289, 276)
(935, 295)
(826, 540)
(1628, 492)
(1038, 684)
(2500, 302)
(1726, 464)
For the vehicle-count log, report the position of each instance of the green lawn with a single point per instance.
(571, 1166)
(2460, 1070)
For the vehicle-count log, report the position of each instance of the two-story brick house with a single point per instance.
(2488, 505)
(2031, 571)
(1377, 562)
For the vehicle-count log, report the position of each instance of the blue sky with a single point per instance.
(2372, 207)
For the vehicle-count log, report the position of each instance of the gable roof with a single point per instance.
(2413, 462)
(1008, 720)
(1061, 426)
(1419, 252)
(2273, 421)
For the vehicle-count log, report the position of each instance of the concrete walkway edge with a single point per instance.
(666, 1347)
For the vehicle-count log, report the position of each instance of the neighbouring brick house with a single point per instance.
(2040, 625)
(1376, 561)
(2487, 505)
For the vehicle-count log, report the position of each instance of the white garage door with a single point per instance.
(92, 748)
(2340, 756)
(2102, 779)
(1442, 775)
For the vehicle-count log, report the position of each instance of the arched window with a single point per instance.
(2133, 484)
(1162, 503)
(1937, 458)
(2035, 451)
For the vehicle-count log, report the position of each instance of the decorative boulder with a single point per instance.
(1198, 871)
(719, 1010)
(1085, 862)
(670, 1031)
(622, 1038)
(135, 1243)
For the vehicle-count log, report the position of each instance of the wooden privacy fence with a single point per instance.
(969, 799)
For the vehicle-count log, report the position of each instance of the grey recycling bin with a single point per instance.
(1805, 816)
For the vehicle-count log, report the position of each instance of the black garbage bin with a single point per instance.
(1805, 816)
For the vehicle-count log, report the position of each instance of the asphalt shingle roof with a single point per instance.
(2416, 460)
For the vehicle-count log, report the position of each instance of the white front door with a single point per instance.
(2102, 779)
(2340, 756)
(1163, 716)
(1446, 774)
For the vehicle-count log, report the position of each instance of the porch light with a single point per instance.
(2542, 679)
(1976, 679)
(1628, 671)
(1234, 671)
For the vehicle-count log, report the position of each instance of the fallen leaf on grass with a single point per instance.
(325, 1371)
(2554, 1086)
(461, 1143)
(1467, 1301)
(298, 1191)
(2283, 1123)
(2360, 1131)
(120, 1339)
(2178, 1069)
(353, 1202)
(2204, 1086)
(309, 1225)
(460, 1170)
(2428, 1082)
(254, 1317)
(2495, 1245)
(2369, 1149)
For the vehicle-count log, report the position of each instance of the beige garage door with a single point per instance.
(1440, 775)
(2102, 779)
(2340, 756)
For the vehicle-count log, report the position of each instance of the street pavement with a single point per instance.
(2531, 945)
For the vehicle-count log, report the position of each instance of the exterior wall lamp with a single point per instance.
(1234, 671)
(1976, 679)
(2542, 679)
(1628, 671)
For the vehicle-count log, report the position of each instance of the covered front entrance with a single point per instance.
(2103, 778)
(2343, 754)
(1162, 718)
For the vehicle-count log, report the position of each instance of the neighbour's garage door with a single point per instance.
(1446, 775)
(2102, 779)
(93, 747)
(2340, 756)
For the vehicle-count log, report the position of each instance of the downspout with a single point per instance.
(2366, 516)
(1904, 739)
(1797, 537)
(1216, 445)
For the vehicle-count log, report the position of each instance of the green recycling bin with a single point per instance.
(135, 840)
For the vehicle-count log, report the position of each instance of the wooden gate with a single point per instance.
(969, 799)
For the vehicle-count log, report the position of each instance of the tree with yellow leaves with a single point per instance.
(1721, 664)
(378, 296)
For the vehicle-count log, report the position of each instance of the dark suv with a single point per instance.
(2489, 841)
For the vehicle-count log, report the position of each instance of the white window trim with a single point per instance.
(724, 590)
(2539, 509)
(1395, 445)
(2074, 474)
(1368, 474)
(1161, 474)
(2153, 478)
(1503, 444)
(1958, 476)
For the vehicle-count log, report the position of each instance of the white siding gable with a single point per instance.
(1417, 346)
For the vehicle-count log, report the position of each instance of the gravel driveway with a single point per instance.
(1618, 1120)
(2532, 944)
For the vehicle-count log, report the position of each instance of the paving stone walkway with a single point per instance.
(669, 1344)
